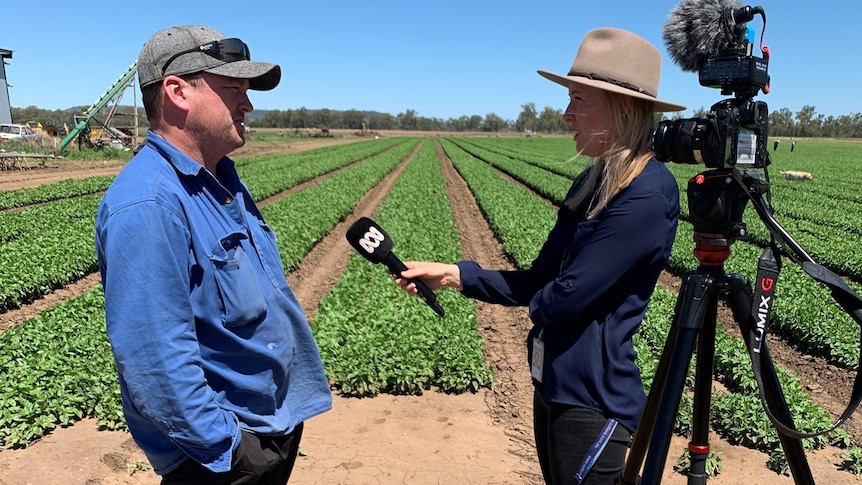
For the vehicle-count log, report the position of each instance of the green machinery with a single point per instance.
(81, 130)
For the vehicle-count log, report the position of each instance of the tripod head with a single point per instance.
(716, 202)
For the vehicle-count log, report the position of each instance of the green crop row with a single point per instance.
(805, 314)
(306, 216)
(821, 223)
(372, 336)
(831, 243)
(57, 368)
(557, 155)
(814, 202)
(63, 189)
(30, 221)
(269, 175)
(46, 260)
(541, 181)
(832, 164)
(515, 214)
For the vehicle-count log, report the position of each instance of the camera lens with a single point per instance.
(690, 141)
(661, 142)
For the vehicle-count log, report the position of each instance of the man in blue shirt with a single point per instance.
(217, 365)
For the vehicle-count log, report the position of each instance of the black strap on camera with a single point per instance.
(768, 268)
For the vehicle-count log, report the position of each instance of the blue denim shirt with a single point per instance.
(207, 336)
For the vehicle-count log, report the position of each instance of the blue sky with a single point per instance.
(442, 59)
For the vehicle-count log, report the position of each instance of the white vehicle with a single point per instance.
(9, 131)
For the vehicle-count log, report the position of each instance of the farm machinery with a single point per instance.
(103, 134)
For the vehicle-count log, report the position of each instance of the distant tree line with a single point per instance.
(354, 120)
(804, 123)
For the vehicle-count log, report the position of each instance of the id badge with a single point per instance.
(538, 358)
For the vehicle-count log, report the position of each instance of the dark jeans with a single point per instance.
(564, 434)
(259, 460)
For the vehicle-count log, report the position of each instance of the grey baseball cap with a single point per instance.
(188, 49)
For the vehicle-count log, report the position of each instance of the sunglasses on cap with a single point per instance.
(228, 50)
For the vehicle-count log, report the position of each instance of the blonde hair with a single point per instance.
(624, 160)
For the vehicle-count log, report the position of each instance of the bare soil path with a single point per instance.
(481, 438)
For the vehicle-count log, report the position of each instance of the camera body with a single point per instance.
(734, 132)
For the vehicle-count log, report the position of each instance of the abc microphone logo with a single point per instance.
(371, 240)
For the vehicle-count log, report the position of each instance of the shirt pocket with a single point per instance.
(239, 290)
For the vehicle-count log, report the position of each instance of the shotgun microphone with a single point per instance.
(372, 242)
(697, 30)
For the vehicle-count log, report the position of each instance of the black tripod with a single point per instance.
(716, 202)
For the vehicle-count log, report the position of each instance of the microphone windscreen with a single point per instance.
(695, 31)
(369, 240)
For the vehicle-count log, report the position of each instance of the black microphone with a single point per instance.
(372, 242)
(697, 30)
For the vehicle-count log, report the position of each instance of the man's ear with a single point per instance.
(176, 91)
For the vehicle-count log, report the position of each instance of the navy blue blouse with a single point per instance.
(588, 290)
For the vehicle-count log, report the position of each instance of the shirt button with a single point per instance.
(228, 200)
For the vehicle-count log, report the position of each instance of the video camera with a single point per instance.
(735, 130)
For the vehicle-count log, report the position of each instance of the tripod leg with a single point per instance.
(793, 448)
(740, 301)
(657, 421)
(647, 424)
(698, 446)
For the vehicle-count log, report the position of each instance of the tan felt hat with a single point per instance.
(618, 61)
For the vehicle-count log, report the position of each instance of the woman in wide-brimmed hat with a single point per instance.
(589, 287)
